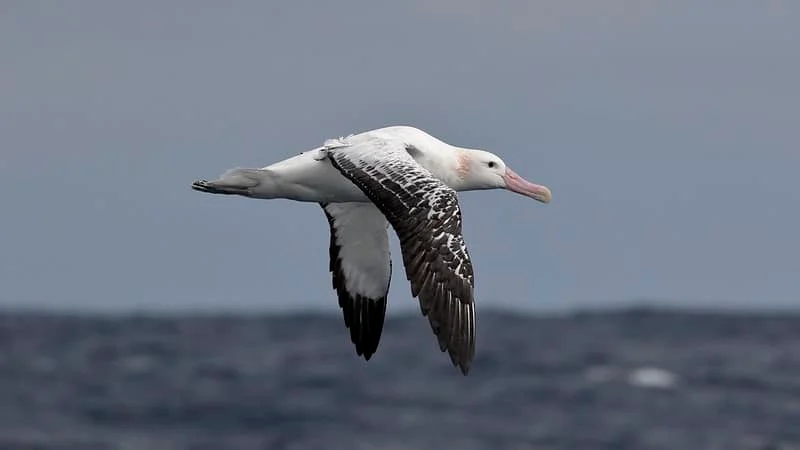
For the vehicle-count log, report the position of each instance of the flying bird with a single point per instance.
(403, 177)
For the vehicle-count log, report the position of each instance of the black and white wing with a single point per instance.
(361, 267)
(425, 214)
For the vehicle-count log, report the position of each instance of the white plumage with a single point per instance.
(398, 176)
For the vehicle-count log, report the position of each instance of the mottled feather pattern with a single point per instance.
(363, 310)
(425, 214)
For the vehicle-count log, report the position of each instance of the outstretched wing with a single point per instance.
(362, 269)
(425, 214)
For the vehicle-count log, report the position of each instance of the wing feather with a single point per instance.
(426, 216)
(361, 269)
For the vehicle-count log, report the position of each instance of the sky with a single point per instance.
(668, 132)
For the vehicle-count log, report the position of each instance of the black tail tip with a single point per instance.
(200, 185)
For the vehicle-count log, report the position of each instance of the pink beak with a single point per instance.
(516, 183)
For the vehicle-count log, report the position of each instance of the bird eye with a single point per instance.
(492, 164)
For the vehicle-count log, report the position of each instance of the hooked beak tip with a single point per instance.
(544, 195)
(516, 183)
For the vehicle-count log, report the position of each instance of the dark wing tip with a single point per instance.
(456, 333)
(452, 321)
(364, 317)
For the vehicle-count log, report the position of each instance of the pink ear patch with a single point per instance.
(464, 164)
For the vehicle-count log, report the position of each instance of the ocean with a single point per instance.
(634, 379)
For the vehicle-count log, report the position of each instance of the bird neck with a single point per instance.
(453, 167)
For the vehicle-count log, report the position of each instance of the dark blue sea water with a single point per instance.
(633, 379)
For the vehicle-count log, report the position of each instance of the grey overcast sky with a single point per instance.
(668, 131)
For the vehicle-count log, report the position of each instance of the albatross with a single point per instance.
(397, 176)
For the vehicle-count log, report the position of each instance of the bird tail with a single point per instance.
(233, 182)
